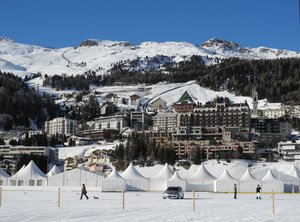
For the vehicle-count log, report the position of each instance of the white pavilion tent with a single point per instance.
(53, 171)
(290, 179)
(193, 169)
(159, 181)
(30, 175)
(12, 181)
(176, 181)
(134, 180)
(294, 172)
(201, 180)
(113, 182)
(248, 183)
(75, 178)
(3, 177)
(271, 183)
(225, 182)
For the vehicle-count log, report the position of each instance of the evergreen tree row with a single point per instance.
(277, 80)
(77, 82)
(140, 149)
(23, 103)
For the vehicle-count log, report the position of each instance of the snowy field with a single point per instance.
(145, 206)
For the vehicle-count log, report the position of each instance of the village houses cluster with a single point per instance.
(214, 127)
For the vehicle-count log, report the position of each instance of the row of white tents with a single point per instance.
(131, 179)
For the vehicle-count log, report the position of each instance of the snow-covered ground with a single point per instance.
(145, 206)
(65, 152)
(168, 92)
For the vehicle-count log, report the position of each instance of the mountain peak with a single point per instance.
(108, 43)
(6, 39)
(88, 42)
(220, 44)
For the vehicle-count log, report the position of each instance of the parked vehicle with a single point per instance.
(173, 193)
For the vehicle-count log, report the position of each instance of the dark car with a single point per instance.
(173, 193)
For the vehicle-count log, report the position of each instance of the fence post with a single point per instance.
(58, 198)
(0, 196)
(194, 207)
(123, 199)
(273, 205)
(293, 189)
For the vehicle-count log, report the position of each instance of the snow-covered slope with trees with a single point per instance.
(101, 55)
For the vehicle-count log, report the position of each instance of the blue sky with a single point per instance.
(59, 23)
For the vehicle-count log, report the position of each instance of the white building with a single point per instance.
(61, 126)
(289, 150)
(32, 133)
(117, 122)
(273, 113)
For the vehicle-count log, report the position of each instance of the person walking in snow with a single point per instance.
(235, 190)
(83, 192)
(258, 189)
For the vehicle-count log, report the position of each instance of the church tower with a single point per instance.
(254, 102)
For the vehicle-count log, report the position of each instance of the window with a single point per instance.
(39, 183)
(31, 183)
(20, 182)
(12, 183)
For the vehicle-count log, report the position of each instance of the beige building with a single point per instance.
(73, 162)
(8, 151)
(99, 157)
(159, 104)
(165, 120)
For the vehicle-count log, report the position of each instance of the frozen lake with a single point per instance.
(145, 206)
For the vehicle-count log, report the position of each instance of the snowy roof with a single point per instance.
(294, 172)
(3, 173)
(226, 176)
(114, 175)
(202, 174)
(53, 171)
(165, 173)
(131, 173)
(269, 177)
(247, 177)
(29, 172)
(175, 177)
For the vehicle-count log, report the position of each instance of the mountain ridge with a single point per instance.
(101, 55)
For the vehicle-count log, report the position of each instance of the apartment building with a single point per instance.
(61, 126)
(165, 120)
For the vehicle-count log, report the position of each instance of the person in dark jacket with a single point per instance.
(83, 192)
(235, 190)
(258, 189)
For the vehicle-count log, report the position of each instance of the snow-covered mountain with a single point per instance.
(101, 55)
